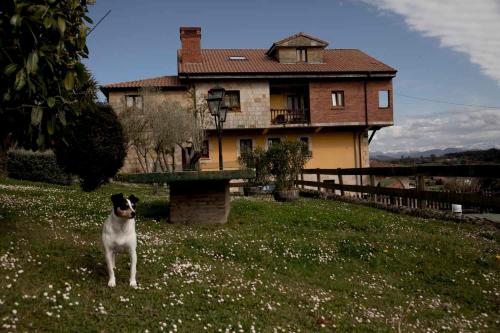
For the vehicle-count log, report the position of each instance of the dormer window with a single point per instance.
(308, 49)
(301, 55)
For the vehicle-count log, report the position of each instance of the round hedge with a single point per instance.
(93, 146)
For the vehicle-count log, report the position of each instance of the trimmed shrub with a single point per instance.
(286, 159)
(93, 147)
(256, 159)
(37, 166)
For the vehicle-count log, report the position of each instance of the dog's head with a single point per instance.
(124, 207)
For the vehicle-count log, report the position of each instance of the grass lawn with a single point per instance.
(312, 266)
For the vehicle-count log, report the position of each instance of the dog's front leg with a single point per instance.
(110, 262)
(133, 264)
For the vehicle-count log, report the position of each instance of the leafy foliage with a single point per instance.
(41, 76)
(256, 159)
(286, 159)
(94, 147)
(37, 166)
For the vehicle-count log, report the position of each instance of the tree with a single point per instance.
(154, 131)
(94, 146)
(41, 77)
(195, 129)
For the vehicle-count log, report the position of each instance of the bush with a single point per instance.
(286, 160)
(256, 159)
(93, 147)
(36, 166)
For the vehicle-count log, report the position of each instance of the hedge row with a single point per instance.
(36, 166)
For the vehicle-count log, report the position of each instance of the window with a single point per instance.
(246, 145)
(338, 99)
(384, 98)
(134, 101)
(205, 151)
(301, 55)
(295, 102)
(273, 141)
(305, 141)
(232, 100)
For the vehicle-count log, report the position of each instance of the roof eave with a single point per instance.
(360, 74)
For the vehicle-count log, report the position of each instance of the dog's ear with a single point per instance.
(117, 199)
(133, 199)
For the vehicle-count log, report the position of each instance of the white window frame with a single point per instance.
(238, 152)
(334, 99)
(266, 144)
(387, 99)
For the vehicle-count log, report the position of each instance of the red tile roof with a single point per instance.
(300, 34)
(161, 82)
(216, 61)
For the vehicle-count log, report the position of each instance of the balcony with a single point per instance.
(289, 116)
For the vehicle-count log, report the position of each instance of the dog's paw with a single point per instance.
(112, 283)
(133, 284)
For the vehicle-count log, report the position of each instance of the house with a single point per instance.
(298, 89)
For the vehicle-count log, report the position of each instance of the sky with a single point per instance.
(447, 53)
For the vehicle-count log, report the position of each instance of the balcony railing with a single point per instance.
(289, 116)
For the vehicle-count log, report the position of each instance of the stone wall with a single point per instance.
(117, 98)
(254, 102)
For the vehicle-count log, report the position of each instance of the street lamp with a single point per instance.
(218, 110)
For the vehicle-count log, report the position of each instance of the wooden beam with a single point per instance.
(472, 199)
(483, 171)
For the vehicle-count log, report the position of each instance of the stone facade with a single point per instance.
(254, 102)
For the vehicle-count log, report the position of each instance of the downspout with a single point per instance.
(366, 128)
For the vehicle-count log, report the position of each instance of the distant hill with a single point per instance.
(477, 156)
(450, 157)
(427, 153)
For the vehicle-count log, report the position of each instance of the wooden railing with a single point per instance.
(289, 116)
(417, 197)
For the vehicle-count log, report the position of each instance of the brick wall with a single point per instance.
(204, 202)
(191, 44)
(322, 111)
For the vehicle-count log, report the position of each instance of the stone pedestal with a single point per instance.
(196, 197)
(202, 201)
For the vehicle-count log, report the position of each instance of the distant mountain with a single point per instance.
(413, 154)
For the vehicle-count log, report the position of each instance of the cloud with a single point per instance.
(467, 128)
(467, 26)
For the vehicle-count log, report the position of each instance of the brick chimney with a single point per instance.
(191, 44)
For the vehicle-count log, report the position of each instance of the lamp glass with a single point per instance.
(223, 113)
(213, 105)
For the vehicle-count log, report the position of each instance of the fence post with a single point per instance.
(421, 187)
(372, 184)
(318, 179)
(340, 182)
(302, 177)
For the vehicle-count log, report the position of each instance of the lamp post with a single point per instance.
(218, 110)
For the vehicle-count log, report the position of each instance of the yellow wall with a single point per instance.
(329, 149)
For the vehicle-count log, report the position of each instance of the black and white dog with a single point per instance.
(118, 235)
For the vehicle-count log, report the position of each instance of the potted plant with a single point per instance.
(255, 159)
(285, 161)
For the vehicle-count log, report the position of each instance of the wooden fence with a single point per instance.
(417, 197)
